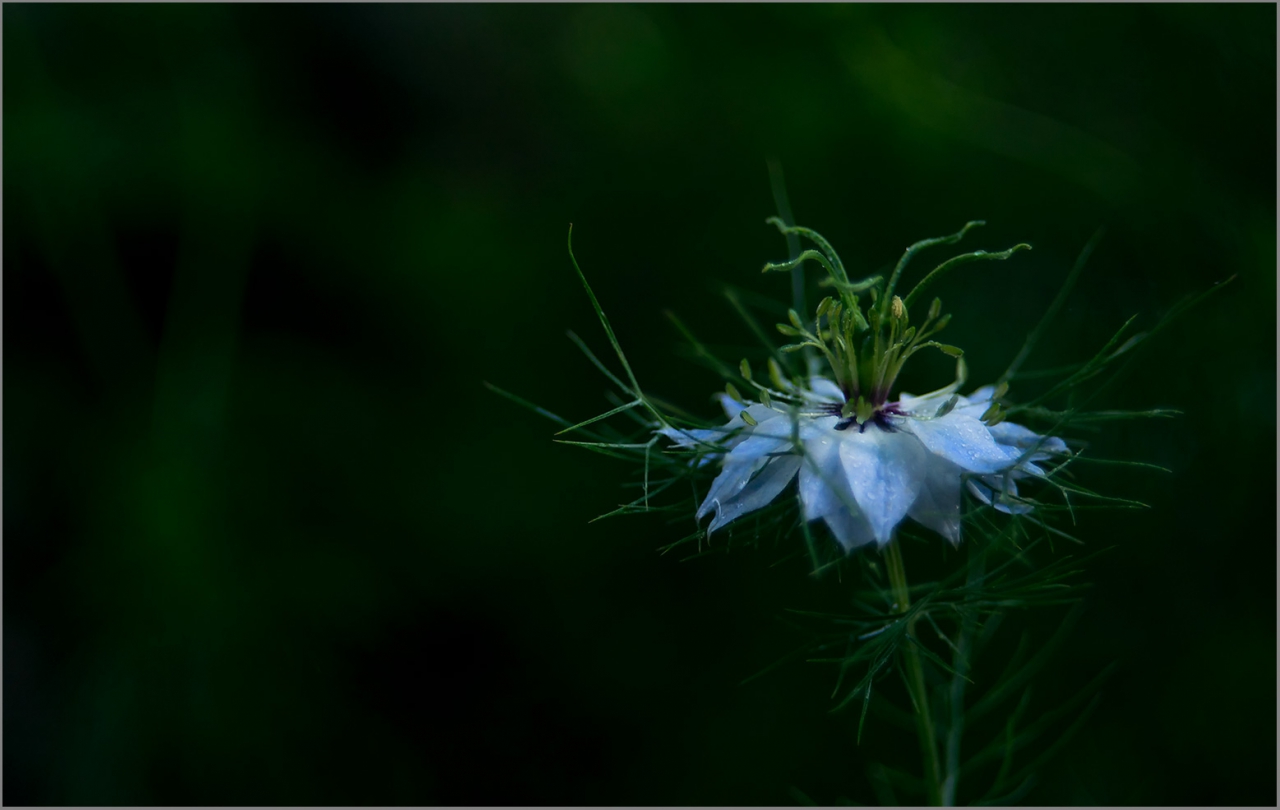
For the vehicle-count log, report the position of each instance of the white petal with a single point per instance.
(731, 406)
(988, 490)
(850, 530)
(823, 390)
(908, 402)
(756, 446)
(736, 424)
(825, 493)
(821, 470)
(963, 440)
(1025, 438)
(759, 492)
(693, 437)
(885, 472)
(728, 483)
(929, 404)
(758, 412)
(983, 394)
(740, 464)
(973, 410)
(937, 507)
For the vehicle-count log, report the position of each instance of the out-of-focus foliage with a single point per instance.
(267, 538)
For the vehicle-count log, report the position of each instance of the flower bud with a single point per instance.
(993, 415)
(775, 374)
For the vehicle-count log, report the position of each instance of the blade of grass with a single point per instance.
(613, 339)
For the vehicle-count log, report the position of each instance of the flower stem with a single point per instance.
(914, 676)
(961, 663)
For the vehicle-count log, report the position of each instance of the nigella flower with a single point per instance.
(865, 463)
(909, 459)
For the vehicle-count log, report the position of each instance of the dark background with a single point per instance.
(267, 539)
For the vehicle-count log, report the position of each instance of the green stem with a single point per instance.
(914, 673)
(961, 663)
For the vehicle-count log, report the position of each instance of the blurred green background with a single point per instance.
(267, 539)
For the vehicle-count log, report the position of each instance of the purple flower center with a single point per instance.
(879, 418)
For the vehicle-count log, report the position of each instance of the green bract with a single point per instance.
(867, 348)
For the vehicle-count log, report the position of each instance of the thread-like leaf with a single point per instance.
(921, 245)
(951, 264)
(608, 328)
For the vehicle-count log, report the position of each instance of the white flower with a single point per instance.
(864, 462)
(906, 459)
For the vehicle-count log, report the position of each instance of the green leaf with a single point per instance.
(815, 237)
(1067, 286)
(1014, 682)
(923, 244)
(604, 415)
(776, 267)
(608, 328)
(526, 404)
(964, 258)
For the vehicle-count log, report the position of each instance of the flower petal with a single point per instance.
(937, 507)
(963, 440)
(1024, 438)
(752, 447)
(825, 493)
(885, 472)
(757, 411)
(756, 446)
(693, 437)
(731, 480)
(981, 395)
(929, 404)
(823, 390)
(740, 464)
(821, 471)
(759, 492)
(996, 491)
(851, 530)
(731, 406)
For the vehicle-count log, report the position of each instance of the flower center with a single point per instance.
(867, 342)
(878, 417)
(866, 351)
